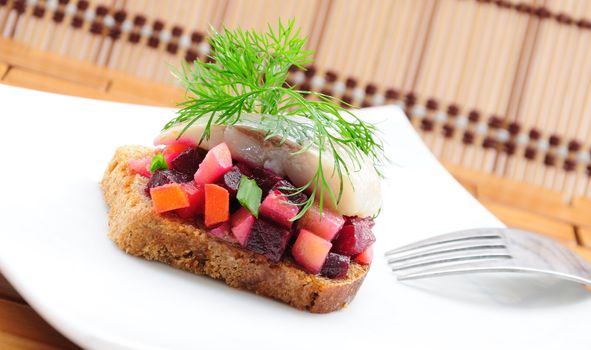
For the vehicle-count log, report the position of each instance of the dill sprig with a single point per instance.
(247, 72)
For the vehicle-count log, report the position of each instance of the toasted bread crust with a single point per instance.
(139, 231)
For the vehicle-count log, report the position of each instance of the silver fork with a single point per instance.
(487, 250)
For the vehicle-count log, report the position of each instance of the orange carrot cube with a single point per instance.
(169, 197)
(217, 205)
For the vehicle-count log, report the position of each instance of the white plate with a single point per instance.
(54, 249)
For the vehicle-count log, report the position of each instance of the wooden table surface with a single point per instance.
(516, 204)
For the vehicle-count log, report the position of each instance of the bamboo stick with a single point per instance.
(423, 77)
(4, 13)
(424, 13)
(133, 64)
(446, 14)
(398, 63)
(183, 13)
(491, 83)
(513, 40)
(122, 47)
(473, 153)
(368, 51)
(43, 31)
(515, 166)
(575, 109)
(382, 70)
(535, 105)
(318, 13)
(26, 26)
(151, 60)
(550, 172)
(9, 24)
(521, 112)
(63, 30)
(565, 119)
(455, 152)
(106, 44)
(21, 31)
(447, 84)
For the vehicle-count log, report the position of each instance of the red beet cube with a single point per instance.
(354, 238)
(231, 179)
(268, 239)
(242, 221)
(164, 177)
(335, 266)
(365, 257)
(216, 162)
(196, 195)
(266, 179)
(223, 232)
(288, 189)
(310, 251)
(188, 161)
(245, 169)
(326, 226)
(173, 150)
(277, 208)
(356, 219)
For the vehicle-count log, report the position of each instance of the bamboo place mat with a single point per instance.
(500, 86)
(498, 90)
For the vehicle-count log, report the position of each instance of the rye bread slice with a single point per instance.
(139, 231)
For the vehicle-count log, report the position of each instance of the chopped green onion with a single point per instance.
(158, 162)
(249, 195)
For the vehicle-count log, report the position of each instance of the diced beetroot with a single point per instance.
(356, 219)
(266, 179)
(326, 226)
(310, 251)
(231, 179)
(354, 238)
(365, 257)
(140, 166)
(242, 221)
(163, 177)
(335, 266)
(275, 207)
(288, 189)
(245, 169)
(188, 161)
(221, 230)
(173, 150)
(196, 206)
(268, 239)
(216, 162)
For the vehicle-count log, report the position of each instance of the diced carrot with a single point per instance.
(217, 205)
(169, 197)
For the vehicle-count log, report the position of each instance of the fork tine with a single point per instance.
(450, 237)
(449, 247)
(453, 257)
(461, 268)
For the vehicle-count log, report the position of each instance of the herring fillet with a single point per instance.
(361, 194)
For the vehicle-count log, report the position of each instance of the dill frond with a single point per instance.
(247, 72)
